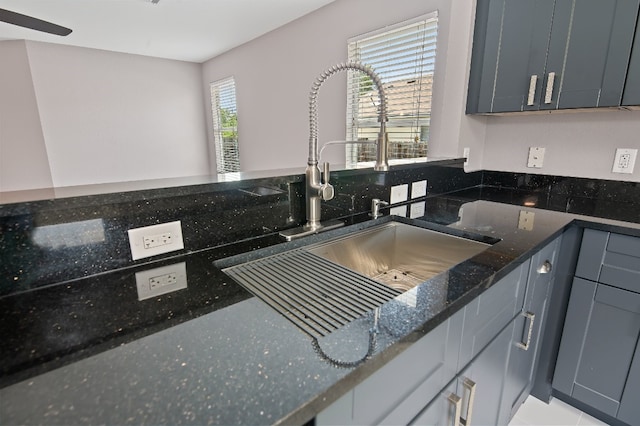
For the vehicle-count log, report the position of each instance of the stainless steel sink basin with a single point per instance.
(398, 255)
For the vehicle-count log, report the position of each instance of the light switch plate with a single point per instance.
(417, 210)
(525, 220)
(157, 281)
(419, 189)
(536, 157)
(398, 211)
(399, 193)
(155, 239)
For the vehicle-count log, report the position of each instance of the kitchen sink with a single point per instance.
(323, 286)
(399, 255)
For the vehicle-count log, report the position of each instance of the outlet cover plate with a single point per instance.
(158, 281)
(625, 160)
(536, 157)
(155, 239)
(525, 220)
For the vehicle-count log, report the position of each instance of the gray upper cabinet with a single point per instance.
(631, 94)
(545, 54)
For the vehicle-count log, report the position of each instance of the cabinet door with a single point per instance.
(631, 95)
(509, 54)
(629, 408)
(489, 313)
(524, 39)
(598, 344)
(589, 53)
(527, 331)
(487, 372)
(397, 392)
(444, 410)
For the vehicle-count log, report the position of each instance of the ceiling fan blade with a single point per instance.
(32, 23)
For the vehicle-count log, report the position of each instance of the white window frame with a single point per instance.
(408, 134)
(223, 93)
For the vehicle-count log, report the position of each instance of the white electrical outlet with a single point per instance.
(525, 220)
(536, 157)
(399, 193)
(465, 154)
(625, 160)
(419, 189)
(155, 239)
(163, 280)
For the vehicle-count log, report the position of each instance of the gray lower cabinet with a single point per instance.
(599, 358)
(461, 367)
(489, 313)
(445, 409)
(598, 344)
(396, 393)
(474, 395)
(527, 330)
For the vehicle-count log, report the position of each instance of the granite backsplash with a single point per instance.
(57, 240)
(62, 239)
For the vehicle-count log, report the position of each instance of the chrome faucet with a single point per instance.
(317, 189)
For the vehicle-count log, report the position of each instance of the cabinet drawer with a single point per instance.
(621, 265)
(491, 312)
(611, 259)
(399, 391)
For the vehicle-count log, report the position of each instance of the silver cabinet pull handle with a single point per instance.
(470, 385)
(549, 91)
(531, 317)
(532, 89)
(545, 268)
(456, 401)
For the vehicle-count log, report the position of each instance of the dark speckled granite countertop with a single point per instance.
(89, 352)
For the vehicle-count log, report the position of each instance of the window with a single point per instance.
(404, 58)
(225, 125)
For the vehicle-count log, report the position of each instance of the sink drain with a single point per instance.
(398, 279)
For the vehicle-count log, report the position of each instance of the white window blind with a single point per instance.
(404, 58)
(225, 125)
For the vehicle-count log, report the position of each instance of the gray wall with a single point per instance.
(107, 117)
(23, 156)
(73, 116)
(580, 144)
(274, 74)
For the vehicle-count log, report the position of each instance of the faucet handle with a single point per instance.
(325, 174)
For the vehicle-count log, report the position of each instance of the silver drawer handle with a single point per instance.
(531, 317)
(549, 90)
(470, 385)
(532, 89)
(456, 401)
(545, 268)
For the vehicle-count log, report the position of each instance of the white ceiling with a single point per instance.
(187, 30)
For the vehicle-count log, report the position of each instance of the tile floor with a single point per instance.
(536, 413)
